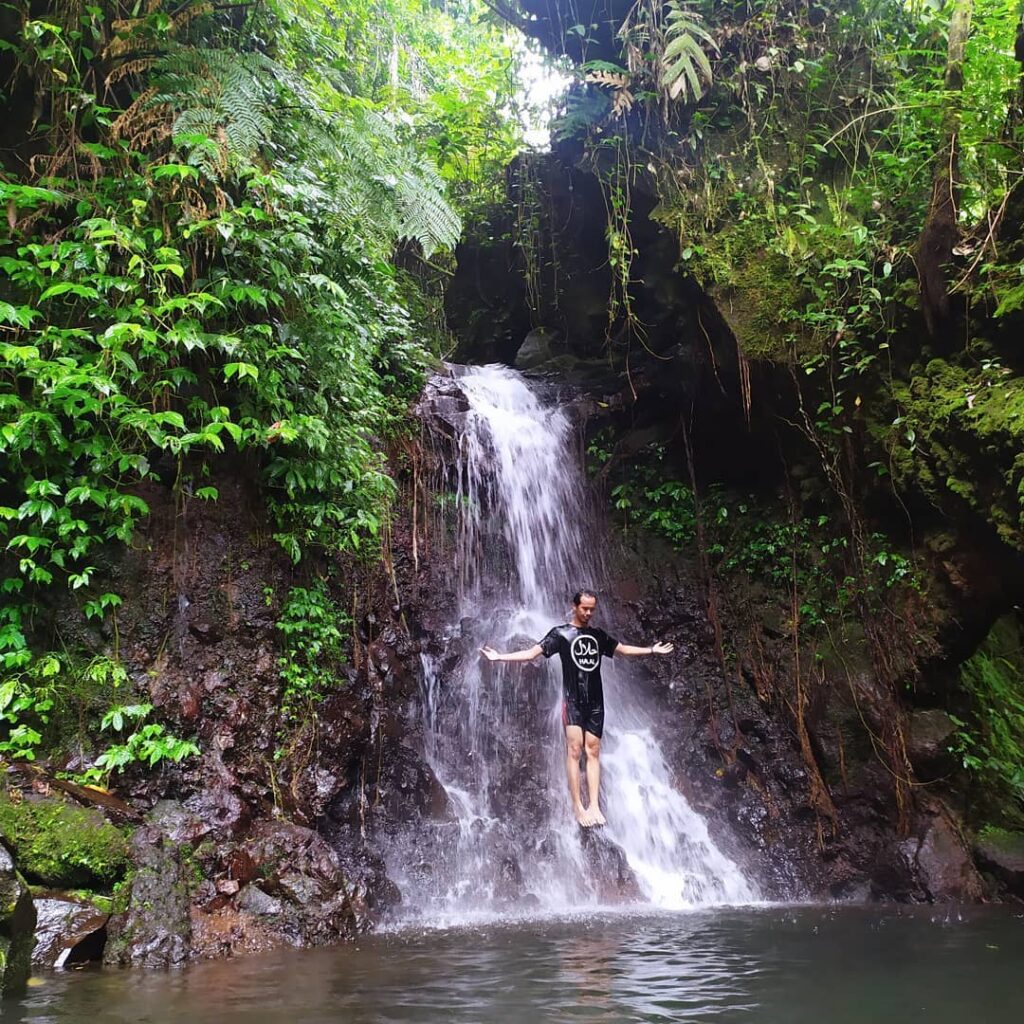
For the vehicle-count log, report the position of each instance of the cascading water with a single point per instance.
(524, 539)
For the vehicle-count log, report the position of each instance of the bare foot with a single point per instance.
(583, 817)
(598, 817)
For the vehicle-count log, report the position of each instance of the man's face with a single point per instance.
(585, 609)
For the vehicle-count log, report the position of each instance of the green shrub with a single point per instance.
(991, 741)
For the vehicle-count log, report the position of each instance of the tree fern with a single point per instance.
(582, 112)
(426, 214)
(224, 95)
(382, 182)
(352, 158)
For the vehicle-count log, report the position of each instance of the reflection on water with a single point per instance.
(773, 965)
(590, 967)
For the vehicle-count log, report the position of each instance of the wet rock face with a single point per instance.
(304, 890)
(156, 929)
(216, 871)
(17, 923)
(243, 889)
(68, 931)
(829, 829)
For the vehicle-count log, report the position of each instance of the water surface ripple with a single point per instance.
(773, 965)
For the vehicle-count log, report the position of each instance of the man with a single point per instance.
(580, 648)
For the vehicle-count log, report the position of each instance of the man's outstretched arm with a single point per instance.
(658, 648)
(528, 655)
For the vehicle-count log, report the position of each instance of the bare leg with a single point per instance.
(574, 748)
(593, 747)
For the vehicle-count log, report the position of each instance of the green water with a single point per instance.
(771, 965)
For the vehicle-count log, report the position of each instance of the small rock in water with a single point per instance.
(67, 931)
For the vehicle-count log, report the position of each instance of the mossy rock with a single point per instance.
(960, 440)
(1001, 853)
(755, 302)
(62, 845)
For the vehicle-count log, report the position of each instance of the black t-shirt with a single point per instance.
(580, 651)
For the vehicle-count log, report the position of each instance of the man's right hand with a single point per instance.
(490, 653)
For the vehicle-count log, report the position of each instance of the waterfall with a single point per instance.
(523, 538)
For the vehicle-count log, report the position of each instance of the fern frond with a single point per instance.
(684, 64)
(614, 79)
(582, 111)
(427, 216)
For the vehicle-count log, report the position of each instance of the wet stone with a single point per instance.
(17, 923)
(68, 931)
(609, 868)
(1002, 854)
(156, 929)
(930, 736)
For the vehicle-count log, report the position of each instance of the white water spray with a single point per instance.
(524, 539)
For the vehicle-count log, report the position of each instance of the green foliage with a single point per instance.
(958, 436)
(201, 267)
(684, 64)
(451, 71)
(51, 701)
(991, 741)
(42, 699)
(314, 631)
(27, 699)
(801, 208)
(745, 541)
(220, 282)
(792, 186)
(61, 845)
(582, 111)
(666, 508)
(140, 743)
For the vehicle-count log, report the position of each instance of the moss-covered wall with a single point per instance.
(62, 845)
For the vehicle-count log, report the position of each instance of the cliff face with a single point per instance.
(275, 833)
(820, 490)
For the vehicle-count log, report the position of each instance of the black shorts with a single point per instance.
(589, 717)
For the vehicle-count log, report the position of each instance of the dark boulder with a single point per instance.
(17, 924)
(928, 741)
(1001, 854)
(941, 863)
(68, 931)
(156, 929)
(306, 890)
(609, 868)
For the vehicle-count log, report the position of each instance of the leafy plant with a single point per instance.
(27, 698)
(684, 64)
(991, 741)
(313, 629)
(140, 743)
(41, 696)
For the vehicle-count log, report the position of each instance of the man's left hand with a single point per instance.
(663, 648)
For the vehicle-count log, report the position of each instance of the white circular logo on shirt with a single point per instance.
(586, 655)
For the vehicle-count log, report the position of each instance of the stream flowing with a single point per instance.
(525, 536)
